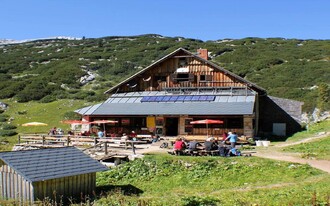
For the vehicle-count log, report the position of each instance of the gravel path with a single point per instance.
(273, 153)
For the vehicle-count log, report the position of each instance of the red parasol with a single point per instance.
(207, 122)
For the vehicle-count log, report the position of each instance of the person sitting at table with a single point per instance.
(155, 138)
(133, 135)
(210, 145)
(223, 150)
(193, 145)
(179, 146)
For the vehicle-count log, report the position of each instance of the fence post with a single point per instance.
(19, 139)
(43, 140)
(95, 142)
(68, 141)
(106, 148)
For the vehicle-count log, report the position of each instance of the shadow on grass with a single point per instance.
(128, 190)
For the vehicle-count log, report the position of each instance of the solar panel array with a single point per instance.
(179, 98)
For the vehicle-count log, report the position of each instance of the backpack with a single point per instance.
(234, 152)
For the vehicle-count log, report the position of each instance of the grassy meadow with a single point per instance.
(173, 180)
(50, 113)
(162, 179)
(318, 149)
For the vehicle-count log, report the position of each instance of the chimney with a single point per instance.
(203, 53)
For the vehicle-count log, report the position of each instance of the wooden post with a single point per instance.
(68, 141)
(19, 139)
(43, 139)
(95, 142)
(133, 148)
(106, 148)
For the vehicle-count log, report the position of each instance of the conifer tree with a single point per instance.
(323, 97)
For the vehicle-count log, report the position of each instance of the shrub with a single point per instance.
(4, 133)
(8, 127)
(196, 201)
(48, 99)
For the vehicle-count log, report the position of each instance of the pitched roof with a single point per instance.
(249, 84)
(45, 164)
(132, 104)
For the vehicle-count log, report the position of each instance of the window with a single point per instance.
(235, 123)
(183, 77)
(204, 77)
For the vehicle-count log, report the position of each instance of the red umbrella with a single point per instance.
(207, 122)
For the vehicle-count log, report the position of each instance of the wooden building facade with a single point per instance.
(181, 87)
(56, 174)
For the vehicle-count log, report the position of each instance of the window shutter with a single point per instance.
(208, 78)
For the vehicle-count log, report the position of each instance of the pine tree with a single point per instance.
(323, 97)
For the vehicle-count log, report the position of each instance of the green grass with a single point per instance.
(50, 113)
(312, 130)
(172, 180)
(319, 149)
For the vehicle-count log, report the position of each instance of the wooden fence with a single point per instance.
(44, 140)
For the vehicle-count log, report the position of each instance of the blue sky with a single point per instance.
(203, 19)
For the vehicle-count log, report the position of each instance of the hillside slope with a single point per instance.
(53, 69)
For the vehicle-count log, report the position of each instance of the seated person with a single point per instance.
(133, 135)
(179, 146)
(192, 145)
(223, 150)
(210, 145)
(155, 138)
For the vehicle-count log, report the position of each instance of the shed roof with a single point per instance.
(45, 164)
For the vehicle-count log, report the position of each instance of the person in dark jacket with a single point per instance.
(210, 145)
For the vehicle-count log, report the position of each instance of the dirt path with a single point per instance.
(273, 153)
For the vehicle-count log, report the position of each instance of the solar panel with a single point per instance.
(181, 98)
(195, 98)
(166, 98)
(159, 98)
(145, 99)
(152, 99)
(210, 98)
(173, 98)
(186, 98)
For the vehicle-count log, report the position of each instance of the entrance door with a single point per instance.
(279, 129)
(171, 125)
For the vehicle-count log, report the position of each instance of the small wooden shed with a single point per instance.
(60, 173)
